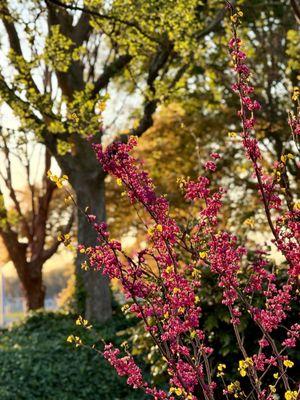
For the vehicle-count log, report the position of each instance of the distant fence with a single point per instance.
(15, 308)
(18, 304)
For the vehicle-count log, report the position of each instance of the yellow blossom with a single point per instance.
(119, 182)
(203, 254)
(70, 339)
(193, 334)
(58, 181)
(276, 375)
(296, 94)
(249, 222)
(169, 269)
(83, 322)
(125, 307)
(84, 266)
(178, 391)
(151, 230)
(234, 386)
(78, 341)
(175, 390)
(288, 363)
(221, 367)
(159, 228)
(297, 205)
(196, 273)
(283, 159)
(272, 388)
(291, 395)
(243, 365)
(74, 339)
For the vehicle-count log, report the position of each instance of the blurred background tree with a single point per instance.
(201, 118)
(31, 215)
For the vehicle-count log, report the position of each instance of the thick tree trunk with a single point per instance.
(87, 179)
(33, 286)
(96, 299)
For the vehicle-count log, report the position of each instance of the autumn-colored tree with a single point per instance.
(30, 214)
(195, 123)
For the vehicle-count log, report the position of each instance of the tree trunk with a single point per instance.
(33, 286)
(86, 176)
(95, 297)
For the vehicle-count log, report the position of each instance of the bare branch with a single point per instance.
(98, 15)
(16, 250)
(14, 101)
(214, 23)
(296, 8)
(7, 20)
(14, 39)
(11, 190)
(39, 223)
(110, 71)
(53, 248)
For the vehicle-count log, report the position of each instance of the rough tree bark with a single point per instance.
(86, 177)
(90, 193)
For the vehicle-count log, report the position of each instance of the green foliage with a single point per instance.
(37, 362)
(57, 48)
(293, 49)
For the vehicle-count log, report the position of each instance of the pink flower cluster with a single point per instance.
(277, 305)
(168, 299)
(125, 366)
(292, 336)
(163, 280)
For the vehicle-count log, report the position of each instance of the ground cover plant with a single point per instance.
(162, 281)
(36, 362)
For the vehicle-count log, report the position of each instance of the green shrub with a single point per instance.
(36, 362)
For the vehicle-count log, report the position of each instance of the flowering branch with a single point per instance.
(163, 280)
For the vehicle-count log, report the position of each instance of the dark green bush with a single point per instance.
(36, 362)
